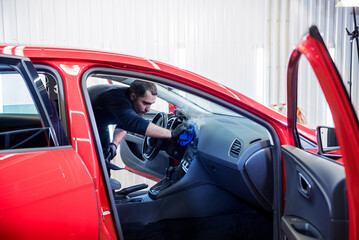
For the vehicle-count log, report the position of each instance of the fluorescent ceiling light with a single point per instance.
(348, 3)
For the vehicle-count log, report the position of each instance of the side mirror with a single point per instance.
(327, 141)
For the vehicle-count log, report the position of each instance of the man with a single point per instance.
(113, 104)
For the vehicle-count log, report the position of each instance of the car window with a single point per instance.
(15, 97)
(160, 105)
(20, 122)
(54, 87)
(313, 109)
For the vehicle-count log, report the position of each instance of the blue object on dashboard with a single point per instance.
(186, 136)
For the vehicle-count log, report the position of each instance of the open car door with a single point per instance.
(321, 198)
(132, 148)
(46, 190)
(135, 150)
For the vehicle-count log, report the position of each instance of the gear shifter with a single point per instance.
(169, 171)
(164, 183)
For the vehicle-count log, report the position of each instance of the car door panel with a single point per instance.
(131, 155)
(51, 191)
(315, 197)
(46, 190)
(345, 119)
(337, 204)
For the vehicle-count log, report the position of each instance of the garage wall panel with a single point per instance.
(22, 20)
(59, 14)
(48, 21)
(9, 21)
(36, 22)
(242, 44)
(2, 25)
(85, 37)
(72, 22)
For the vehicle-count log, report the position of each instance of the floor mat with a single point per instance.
(225, 227)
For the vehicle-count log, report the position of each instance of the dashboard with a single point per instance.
(235, 153)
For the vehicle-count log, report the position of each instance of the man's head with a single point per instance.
(142, 95)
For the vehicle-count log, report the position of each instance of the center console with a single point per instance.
(173, 174)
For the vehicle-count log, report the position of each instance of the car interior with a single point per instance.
(223, 178)
(216, 182)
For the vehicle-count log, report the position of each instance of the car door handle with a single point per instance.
(297, 228)
(304, 187)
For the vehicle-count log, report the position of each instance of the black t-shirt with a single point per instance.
(111, 105)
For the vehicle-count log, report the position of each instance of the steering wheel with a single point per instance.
(151, 146)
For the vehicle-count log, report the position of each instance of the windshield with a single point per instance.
(180, 99)
(188, 100)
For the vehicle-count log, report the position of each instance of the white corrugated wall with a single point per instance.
(243, 44)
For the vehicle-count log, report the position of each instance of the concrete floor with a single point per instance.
(127, 178)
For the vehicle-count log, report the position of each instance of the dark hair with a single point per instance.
(139, 88)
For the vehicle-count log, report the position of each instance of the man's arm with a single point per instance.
(157, 132)
(152, 131)
(118, 135)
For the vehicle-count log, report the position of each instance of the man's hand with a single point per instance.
(111, 151)
(175, 133)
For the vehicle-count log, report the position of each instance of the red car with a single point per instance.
(247, 172)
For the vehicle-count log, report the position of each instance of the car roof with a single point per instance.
(39, 54)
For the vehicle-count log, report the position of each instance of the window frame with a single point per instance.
(26, 70)
(62, 114)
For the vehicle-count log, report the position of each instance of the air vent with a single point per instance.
(236, 148)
